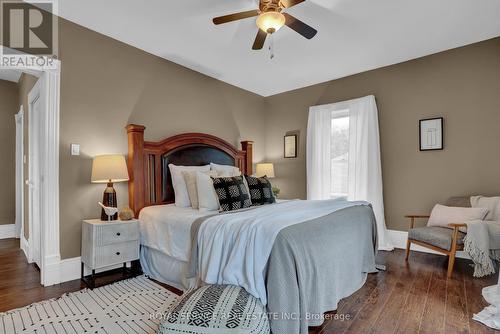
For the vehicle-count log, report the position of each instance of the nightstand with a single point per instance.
(106, 244)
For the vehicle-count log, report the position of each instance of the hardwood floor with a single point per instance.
(20, 281)
(413, 298)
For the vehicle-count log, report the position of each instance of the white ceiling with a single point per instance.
(354, 35)
(10, 75)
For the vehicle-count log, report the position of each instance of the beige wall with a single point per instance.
(462, 85)
(8, 108)
(105, 85)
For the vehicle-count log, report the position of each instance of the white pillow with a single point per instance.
(443, 215)
(491, 203)
(207, 198)
(225, 169)
(179, 184)
(190, 179)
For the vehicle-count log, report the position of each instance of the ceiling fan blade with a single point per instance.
(235, 17)
(299, 26)
(260, 39)
(291, 3)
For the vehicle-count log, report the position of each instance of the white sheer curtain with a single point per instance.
(364, 164)
(319, 128)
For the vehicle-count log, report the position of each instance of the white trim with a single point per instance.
(19, 119)
(52, 270)
(399, 239)
(11, 75)
(35, 171)
(8, 231)
(50, 191)
(50, 247)
(70, 269)
(25, 247)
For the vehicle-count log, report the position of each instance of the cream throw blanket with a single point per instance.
(482, 242)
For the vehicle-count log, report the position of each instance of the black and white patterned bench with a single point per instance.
(216, 309)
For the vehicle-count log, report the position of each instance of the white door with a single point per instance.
(35, 125)
(19, 117)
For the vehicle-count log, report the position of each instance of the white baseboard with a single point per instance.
(25, 247)
(70, 269)
(7, 231)
(52, 271)
(399, 239)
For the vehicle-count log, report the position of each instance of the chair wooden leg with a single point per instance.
(451, 262)
(408, 245)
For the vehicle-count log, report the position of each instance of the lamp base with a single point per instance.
(109, 199)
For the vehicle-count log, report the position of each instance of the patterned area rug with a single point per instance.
(127, 307)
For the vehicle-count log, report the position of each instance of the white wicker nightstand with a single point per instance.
(106, 244)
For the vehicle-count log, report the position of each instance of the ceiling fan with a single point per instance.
(270, 19)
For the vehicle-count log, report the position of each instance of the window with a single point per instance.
(339, 178)
(343, 156)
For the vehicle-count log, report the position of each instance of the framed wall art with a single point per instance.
(290, 146)
(431, 134)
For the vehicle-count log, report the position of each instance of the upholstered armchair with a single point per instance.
(440, 239)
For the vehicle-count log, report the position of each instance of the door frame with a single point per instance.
(50, 257)
(35, 179)
(19, 119)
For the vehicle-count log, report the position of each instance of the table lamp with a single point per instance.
(109, 169)
(267, 169)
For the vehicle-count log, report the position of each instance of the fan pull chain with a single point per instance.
(271, 46)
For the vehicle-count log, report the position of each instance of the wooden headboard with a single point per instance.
(150, 180)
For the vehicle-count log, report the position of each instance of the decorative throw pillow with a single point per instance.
(443, 215)
(225, 170)
(232, 193)
(179, 184)
(215, 309)
(261, 190)
(190, 179)
(207, 198)
(491, 203)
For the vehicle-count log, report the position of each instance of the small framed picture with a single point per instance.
(431, 134)
(290, 146)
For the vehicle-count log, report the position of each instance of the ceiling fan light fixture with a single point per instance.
(270, 22)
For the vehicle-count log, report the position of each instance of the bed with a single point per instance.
(166, 242)
(299, 257)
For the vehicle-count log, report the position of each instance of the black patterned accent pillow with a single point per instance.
(232, 193)
(261, 190)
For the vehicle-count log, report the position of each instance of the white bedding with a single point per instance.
(163, 268)
(167, 229)
(235, 248)
(232, 248)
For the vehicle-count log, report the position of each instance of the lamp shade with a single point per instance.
(265, 170)
(109, 168)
